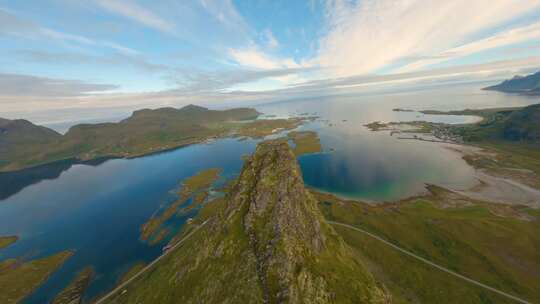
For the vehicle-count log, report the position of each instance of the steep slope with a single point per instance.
(266, 243)
(519, 84)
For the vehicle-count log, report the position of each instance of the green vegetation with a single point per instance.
(265, 242)
(21, 137)
(377, 126)
(305, 142)
(405, 127)
(74, 292)
(261, 128)
(18, 278)
(132, 271)
(512, 125)
(7, 240)
(194, 187)
(494, 244)
(24, 145)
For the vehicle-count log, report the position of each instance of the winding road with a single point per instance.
(474, 282)
(455, 274)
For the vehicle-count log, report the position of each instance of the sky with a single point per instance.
(67, 60)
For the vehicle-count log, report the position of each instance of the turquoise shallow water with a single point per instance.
(97, 209)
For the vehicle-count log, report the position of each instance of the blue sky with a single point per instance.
(81, 54)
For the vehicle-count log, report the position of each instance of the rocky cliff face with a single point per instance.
(267, 244)
(282, 222)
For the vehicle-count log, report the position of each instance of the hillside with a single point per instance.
(529, 84)
(266, 243)
(21, 136)
(23, 144)
(512, 125)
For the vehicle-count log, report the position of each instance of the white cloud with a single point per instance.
(252, 57)
(12, 25)
(508, 37)
(367, 36)
(226, 13)
(137, 13)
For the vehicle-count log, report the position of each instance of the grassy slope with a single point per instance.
(19, 279)
(195, 271)
(7, 240)
(132, 271)
(219, 263)
(502, 252)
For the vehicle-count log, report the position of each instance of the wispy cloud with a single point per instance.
(255, 58)
(270, 40)
(26, 85)
(195, 82)
(11, 25)
(136, 61)
(504, 38)
(135, 12)
(368, 36)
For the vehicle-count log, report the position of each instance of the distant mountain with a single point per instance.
(267, 243)
(18, 137)
(22, 131)
(529, 84)
(23, 144)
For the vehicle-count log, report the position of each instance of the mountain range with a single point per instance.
(529, 84)
(23, 144)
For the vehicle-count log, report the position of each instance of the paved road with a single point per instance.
(138, 274)
(502, 293)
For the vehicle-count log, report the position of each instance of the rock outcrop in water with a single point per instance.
(266, 243)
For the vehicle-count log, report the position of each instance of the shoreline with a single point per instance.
(501, 188)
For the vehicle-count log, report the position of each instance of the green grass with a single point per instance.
(132, 271)
(241, 256)
(499, 251)
(305, 142)
(18, 278)
(7, 240)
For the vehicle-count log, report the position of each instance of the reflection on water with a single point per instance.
(374, 166)
(13, 182)
(97, 211)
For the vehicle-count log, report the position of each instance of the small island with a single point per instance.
(5, 241)
(402, 110)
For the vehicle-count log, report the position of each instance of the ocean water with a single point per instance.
(97, 209)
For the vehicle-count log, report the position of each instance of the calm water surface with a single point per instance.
(97, 210)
